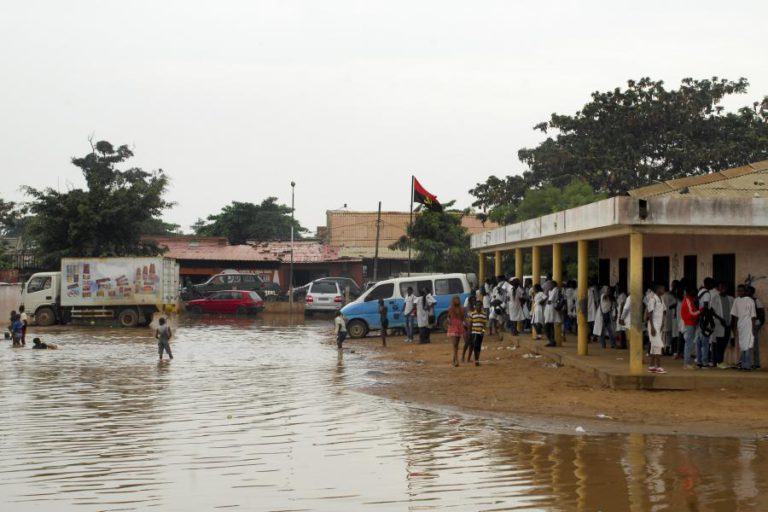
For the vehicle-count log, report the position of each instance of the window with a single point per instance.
(324, 287)
(254, 296)
(417, 287)
(217, 280)
(690, 262)
(221, 296)
(382, 291)
(233, 278)
(451, 286)
(37, 284)
(724, 269)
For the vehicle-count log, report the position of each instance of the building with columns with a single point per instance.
(715, 225)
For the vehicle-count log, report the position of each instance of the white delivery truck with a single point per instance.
(99, 290)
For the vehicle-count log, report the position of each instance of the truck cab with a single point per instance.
(40, 297)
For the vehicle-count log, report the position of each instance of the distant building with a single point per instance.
(354, 233)
(200, 257)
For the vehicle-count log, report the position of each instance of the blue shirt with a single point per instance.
(17, 327)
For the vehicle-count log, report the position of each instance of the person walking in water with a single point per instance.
(455, 326)
(384, 317)
(340, 327)
(163, 335)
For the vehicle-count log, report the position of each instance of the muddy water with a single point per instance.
(253, 416)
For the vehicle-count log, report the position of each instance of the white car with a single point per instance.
(323, 296)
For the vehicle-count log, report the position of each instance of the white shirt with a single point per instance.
(339, 324)
(422, 312)
(744, 311)
(656, 308)
(409, 300)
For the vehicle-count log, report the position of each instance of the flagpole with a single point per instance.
(410, 229)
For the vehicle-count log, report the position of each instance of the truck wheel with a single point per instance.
(128, 318)
(45, 317)
(357, 329)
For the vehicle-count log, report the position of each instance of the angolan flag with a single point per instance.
(421, 196)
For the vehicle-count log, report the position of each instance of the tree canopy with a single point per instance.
(628, 138)
(104, 219)
(241, 222)
(440, 242)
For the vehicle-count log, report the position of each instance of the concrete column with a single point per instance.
(581, 294)
(636, 292)
(519, 275)
(536, 277)
(481, 268)
(497, 263)
(557, 275)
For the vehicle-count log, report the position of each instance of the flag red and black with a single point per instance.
(421, 196)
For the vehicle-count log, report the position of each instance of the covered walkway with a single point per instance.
(668, 231)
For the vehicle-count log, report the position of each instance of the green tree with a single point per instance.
(104, 219)
(241, 222)
(627, 138)
(8, 219)
(550, 199)
(440, 242)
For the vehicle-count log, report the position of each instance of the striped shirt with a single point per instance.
(479, 321)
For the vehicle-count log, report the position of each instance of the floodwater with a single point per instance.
(255, 415)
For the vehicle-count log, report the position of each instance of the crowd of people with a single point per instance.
(696, 324)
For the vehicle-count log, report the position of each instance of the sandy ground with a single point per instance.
(534, 393)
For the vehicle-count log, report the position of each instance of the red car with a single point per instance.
(241, 302)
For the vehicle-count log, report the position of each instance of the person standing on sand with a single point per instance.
(515, 306)
(384, 319)
(455, 326)
(409, 314)
(690, 316)
(340, 328)
(479, 323)
(655, 317)
(163, 335)
(744, 316)
(537, 313)
(424, 307)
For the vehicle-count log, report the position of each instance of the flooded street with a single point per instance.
(253, 416)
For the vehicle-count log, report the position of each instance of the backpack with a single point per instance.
(707, 316)
(561, 304)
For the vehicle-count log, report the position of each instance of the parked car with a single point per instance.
(241, 302)
(344, 282)
(363, 314)
(323, 296)
(233, 280)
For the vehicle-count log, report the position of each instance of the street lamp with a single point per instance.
(290, 272)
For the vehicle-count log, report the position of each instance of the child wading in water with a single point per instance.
(340, 328)
(163, 335)
(383, 314)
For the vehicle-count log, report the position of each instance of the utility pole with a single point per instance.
(290, 271)
(410, 229)
(376, 254)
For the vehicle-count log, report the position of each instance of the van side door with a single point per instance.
(369, 310)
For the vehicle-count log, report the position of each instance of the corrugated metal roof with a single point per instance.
(743, 181)
(216, 249)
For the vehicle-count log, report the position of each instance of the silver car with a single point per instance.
(323, 296)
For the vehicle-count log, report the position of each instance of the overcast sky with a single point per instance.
(348, 98)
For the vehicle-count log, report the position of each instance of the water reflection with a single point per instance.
(259, 415)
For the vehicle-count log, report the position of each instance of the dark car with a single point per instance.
(234, 281)
(230, 301)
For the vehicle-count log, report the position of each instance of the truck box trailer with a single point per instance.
(129, 290)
